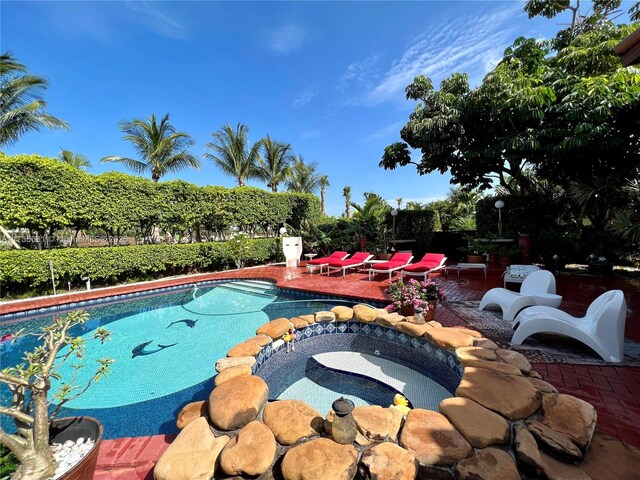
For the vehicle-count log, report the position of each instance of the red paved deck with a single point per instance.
(614, 391)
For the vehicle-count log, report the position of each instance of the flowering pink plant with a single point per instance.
(414, 294)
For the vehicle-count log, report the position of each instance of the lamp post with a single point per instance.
(282, 231)
(394, 214)
(499, 205)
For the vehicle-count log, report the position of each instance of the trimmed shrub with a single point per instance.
(21, 270)
(417, 225)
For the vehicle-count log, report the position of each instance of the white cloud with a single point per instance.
(462, 44)
(358, 73)
(150, 15)
(391, 130)
(309, 134)
(287, 38)
(305, 97)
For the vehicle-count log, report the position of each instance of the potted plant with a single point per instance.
(414, 294)
(507, 255)
(30, 385)
(476, 251)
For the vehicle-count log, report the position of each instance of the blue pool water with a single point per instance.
(165, 346)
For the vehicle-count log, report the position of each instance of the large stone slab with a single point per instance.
(320, 459)
(413, 328)
(556, 443)
(480, 426)
(512, 396)
(261, 340)
(299, 323)
(486, 343)
(449, 338)
(245, 349)
(377, 423)
(488, 464)
(190, 412)
(544, 387)
(250, 452)
(498, 366)
(476, 353)
(390, 319)
(526, 450)
(192, 455)
(325, 316)
(514, 358)
(237, 402)
(309, 318)
(571, 416)
(342, 313)
(609, 459)
(292, 420)
(432, 439)
(232, 372)
(388, 461)
(274, 329)
(228, 362)
(365, 313)
(556, 470)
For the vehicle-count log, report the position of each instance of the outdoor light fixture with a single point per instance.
(343, 428)
(499, 205)
(394, 214)
(283, 230)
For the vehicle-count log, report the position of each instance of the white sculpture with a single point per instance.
(292, 249)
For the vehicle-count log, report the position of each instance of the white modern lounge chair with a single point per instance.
(602, 328)
(539, 282)
(292, 249)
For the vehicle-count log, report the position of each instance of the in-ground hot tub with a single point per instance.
(366, 363)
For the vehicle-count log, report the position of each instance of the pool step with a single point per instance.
(263, 289)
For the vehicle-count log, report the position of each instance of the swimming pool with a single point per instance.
(165, 344)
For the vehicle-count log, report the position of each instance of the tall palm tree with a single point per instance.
(21, 107)
(273, 168)
(304, 178)
(161, 148)
(74, 159)
(232, 153)
(346, 193)
(399, 202)
(324, 183)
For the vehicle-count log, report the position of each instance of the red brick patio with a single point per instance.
(614, 391)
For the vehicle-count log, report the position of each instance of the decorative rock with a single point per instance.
(275, 328)
(310, 318)
(192, 455)
(299, 323)
(245, 349)
(557, 470)
(190, 412)
(607, 459)
(466, 331)
(488, 464)
(261, 340)
(556, 443)
(324, 316)
(432, 439)
(342, 313)
(476, 353)
(511, 396)
(486, 343)
(497, 366)
(514, 358)
(414, 329)
(237, 402)
(481, 427)
(229, 362)
(535, 374)
(320, 459)
(434, 324)
(365, 313)
(232, 372)
(377, 423)
(571, 416)
(426, 472)
(388, 461)
(527, 452)
(449, 337)
(544, 387)
(390, 319)
(291, 420)
(250, 452)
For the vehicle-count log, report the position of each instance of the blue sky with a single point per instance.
(327, 77)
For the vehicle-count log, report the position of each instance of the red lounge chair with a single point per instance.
(398, 261)
(356, 261)
(324, 261)
(431, 262)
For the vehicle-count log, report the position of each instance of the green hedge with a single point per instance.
(415, 224)
(21, 270)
